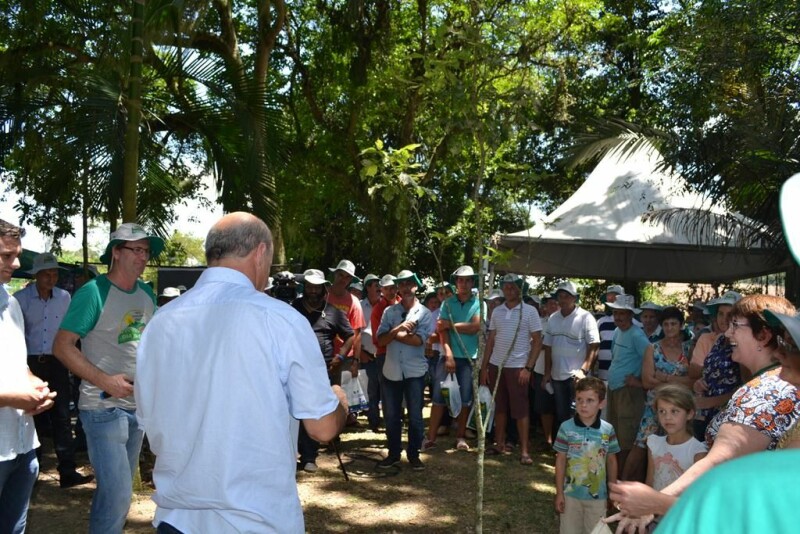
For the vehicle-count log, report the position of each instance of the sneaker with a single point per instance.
(388, 463)
(70, 480)
(462, 445)
(416, 464)
(310, 467)
(428, 445)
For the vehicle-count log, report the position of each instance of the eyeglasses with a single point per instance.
(736, 325)
(139, 251)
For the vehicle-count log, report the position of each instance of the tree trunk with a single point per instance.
(133, 104)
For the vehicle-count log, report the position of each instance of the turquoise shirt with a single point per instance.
(627, 353)
(755, 493)
(461, 312)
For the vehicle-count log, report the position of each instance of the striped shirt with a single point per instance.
(504, 323)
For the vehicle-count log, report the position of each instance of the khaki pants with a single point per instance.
(581, 515)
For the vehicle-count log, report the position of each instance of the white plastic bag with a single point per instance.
(363, 379)
(484, 401)
(452, 394)
(601, 528)
(356, 397)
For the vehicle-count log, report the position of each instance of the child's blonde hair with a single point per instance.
(679, 396)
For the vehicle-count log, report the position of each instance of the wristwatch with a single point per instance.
(529, 369)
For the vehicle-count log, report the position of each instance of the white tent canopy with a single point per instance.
(599, 232)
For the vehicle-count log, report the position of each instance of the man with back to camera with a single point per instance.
(108, 315)
(44, 306)
(22, 395)
(249, 371)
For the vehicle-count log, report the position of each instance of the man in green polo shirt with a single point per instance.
(458, 326)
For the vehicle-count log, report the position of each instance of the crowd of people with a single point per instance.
(229, 384)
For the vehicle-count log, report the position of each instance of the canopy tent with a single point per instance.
(599, 232)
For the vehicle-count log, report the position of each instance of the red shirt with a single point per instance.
(351, 307)
(375, 320)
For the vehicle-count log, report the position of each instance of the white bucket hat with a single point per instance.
(315, 277)
(405, 274)
(729, 297)
(387, 280)
(356, 285)
(132, 232)
(567, 286)
(624, 302)
(170, 292)
(616, 289)
(495, 294)
(346, 266)
(650, 305)
(464, 271)
(791, 324)
(44, 261)
(512, 279)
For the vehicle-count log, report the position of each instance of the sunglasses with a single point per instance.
(787, 346)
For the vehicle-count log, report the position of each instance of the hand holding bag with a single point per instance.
(355, 395)
(452, 394)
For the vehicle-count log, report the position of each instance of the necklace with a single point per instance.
(311, 309)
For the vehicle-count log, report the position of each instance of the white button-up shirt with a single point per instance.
(223, 374)
(17, 432)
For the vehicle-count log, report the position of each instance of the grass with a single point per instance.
(442, 498)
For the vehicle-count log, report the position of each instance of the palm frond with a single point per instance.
(611, 134)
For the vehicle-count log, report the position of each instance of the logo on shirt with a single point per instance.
(132, 327)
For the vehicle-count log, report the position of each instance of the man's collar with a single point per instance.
(570, 313)
(515, 307)
(4, 296)
(579, 423)
(39, 293)
(468, 299)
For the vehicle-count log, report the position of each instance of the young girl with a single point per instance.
(669, 456)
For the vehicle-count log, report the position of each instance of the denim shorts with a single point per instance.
(463, 375)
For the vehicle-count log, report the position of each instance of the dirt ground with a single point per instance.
(440, 499)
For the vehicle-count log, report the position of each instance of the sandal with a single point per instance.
(525, 459)
(428, 445)
(493, 451)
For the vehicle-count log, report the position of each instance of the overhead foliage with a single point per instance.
(293, 107)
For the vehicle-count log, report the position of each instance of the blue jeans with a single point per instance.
(564, 399)
(17, 477)
(114, 440)
(393, 394)
(374, 370)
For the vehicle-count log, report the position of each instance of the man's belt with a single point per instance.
(41, 358)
